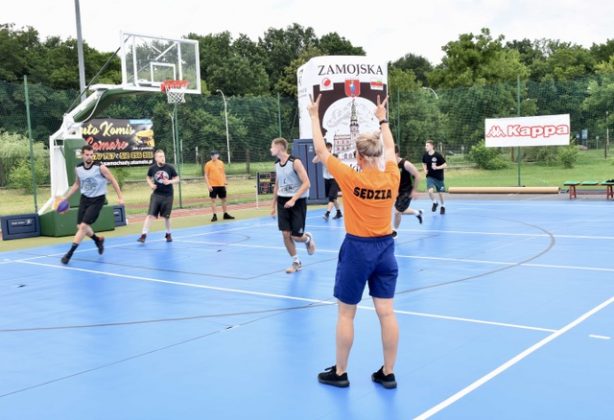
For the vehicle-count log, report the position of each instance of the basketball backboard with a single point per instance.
(147, 61)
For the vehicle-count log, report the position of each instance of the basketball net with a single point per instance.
(175, 90)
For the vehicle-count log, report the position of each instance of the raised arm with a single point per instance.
(319, 145)
(380, 113)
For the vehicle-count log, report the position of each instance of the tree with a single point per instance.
(281, 46)
(334, 44)
(477, 60)
(419, 65)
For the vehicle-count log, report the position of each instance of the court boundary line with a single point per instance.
(286, 297)
(178, 238)
(421, 257)
(471, 232)
(511, 362)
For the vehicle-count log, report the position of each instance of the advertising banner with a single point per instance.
(120, 142)
(545, 130)
(349, 86)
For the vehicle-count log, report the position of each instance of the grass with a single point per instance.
(133, 229)
(590, 166)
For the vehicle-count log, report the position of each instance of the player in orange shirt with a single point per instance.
(215, 178)
(367, 253)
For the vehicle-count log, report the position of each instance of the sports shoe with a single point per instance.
(142, 238)
(100, 245)
(419, 216)
(228, 217)
(394, 234)
(214, 218)
(296, 266)
(66, 258)
(442, 210)
(311, 244)
(168, 237)
(326, 216)
(330, 377)
(387, 381)
(338, 215)
(434, 206)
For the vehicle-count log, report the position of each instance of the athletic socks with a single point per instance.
(68, 255)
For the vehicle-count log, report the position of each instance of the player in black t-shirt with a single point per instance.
(160, 177)
(433, 164)
(410, 178)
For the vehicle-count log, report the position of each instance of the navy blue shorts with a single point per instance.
(363, 260)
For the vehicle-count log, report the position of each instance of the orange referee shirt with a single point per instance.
(368, 197)
(215, 173)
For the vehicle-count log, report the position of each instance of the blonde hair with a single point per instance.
(281, 141)
(370, 146)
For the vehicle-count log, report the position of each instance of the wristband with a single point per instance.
(384, 121)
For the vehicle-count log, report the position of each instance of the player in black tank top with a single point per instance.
(410, 177)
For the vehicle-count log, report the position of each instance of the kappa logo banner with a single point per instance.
(545, 130)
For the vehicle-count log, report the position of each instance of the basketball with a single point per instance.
(63, 206)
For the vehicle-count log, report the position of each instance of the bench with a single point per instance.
(609, 187)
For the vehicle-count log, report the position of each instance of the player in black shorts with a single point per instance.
(91, 178)
(160, 178)
(331, 188)
(410, 178)
(290, 201)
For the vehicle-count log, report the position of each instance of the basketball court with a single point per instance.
(505, 311)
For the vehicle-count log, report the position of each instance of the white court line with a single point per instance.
(511, 362)
(80, 251)
(420, 257)
(470, 232)
(287, 297)
(599, 337)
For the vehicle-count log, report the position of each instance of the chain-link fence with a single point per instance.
(454, 118)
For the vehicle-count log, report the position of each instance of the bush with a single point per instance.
(120, 174)
(14, 150)
(486, 157)
(547, 156)
(568, 156)
(21, 174)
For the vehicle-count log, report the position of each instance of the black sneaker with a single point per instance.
(66, 258)
(228, 217)
(142, 238)
(394, 234)
(326, 216)
(419, 216)
(214, 218)
(387, 381)
(100, 244)
(338, 215)
(330, 377)
(434, 207)
(168, 237)
(442, 210)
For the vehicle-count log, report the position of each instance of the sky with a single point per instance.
(386, 29)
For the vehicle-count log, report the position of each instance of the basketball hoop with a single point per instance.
(175, 90)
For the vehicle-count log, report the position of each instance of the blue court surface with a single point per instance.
(505, 307)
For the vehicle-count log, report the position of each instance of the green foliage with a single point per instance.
(121, 174)
(547, 156)
(568, 156)
(21, 175)
(419, 65)
(14, 151)
(486, 157)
